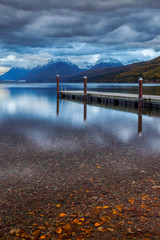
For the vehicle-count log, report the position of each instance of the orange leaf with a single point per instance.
(114, 211)
(130, 222)
(131, 200)
(59, 230)
(76, 220)
(41, 227)
(62, 215)
(98, 207)
(119, 207)
(31, 213)
(58, 205)
(143, 206)
(98, 224)
(43, 237)
(110, 229)
(144, 197)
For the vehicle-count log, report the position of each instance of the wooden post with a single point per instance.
(57, 84)
(140, 93)
(85, 88)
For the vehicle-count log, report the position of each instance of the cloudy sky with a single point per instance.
(34, 31)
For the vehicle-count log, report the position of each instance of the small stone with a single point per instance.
(14, 231)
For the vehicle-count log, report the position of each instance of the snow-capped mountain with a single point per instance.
(107, 62)
(131, 61)
(87, 65)
(45, 73)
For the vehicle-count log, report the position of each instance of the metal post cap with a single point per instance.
(85, 77)
(57, 75)
(140, 79)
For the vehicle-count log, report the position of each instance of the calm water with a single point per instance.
(32, 111)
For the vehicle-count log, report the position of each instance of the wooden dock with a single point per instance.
(118, 99)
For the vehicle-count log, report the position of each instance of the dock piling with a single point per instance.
(140, 92)
(85, 88)
(57, 84)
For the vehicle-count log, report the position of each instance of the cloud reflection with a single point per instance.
(102, 123)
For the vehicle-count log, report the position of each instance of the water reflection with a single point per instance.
(57, 106)
(139, 121)
(85, 111)
(31, 111)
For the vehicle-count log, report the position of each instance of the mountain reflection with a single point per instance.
(51, 123)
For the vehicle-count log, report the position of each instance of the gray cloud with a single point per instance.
(78, 27)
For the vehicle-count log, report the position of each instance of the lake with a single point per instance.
(75, 155)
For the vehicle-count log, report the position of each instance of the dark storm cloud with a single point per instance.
(101, 24)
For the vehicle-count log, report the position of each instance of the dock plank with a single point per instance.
(151, 98)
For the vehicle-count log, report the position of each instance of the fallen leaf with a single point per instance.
(114, 211)
(98, 207)
(98, 224)
(131, 200)
(130, 222)
(105, 207)
(31, 213)
(59, 230)
(43, 237)
(62, 215)
(110, 229)
(144, 197)
(76, 220)
(36, 233)
(119, 207)
(41, 227)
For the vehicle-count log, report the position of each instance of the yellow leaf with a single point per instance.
(58, 205)
(79, 223)
(62, 215)
(98, 207)
(98, 167)
(105, 207)
(82, 219)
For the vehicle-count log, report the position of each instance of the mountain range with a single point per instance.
(105, 70)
